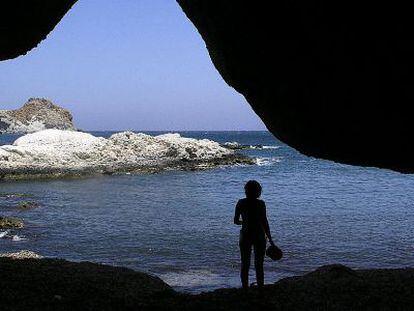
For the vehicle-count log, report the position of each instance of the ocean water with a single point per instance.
(179, 225)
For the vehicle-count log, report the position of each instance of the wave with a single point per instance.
(3, 234)
(14, 237)
(267, 161)
(191, 278)
(17, 238)
(237, 146)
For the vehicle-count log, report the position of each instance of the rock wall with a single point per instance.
(23, 24)
(35, 115)
(331, 79)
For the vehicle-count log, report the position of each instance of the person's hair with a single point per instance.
(253, 189)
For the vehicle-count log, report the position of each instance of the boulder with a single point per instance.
(27, 205)
(52, 284)
(10, 223)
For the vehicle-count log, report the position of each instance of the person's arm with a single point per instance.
(237, 214)
(266, 225)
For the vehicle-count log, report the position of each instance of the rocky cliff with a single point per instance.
(37, 114)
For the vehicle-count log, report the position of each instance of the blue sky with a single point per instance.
(127, 64)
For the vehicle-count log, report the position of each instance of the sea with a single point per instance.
(178, 225)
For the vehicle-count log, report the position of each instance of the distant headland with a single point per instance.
(35, 115)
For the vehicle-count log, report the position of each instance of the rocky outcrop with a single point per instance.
(10, 223)
(35, 115)
(8, 195)
(50, 284)
(56, 153)
(25, 254)
(334, 287)
(26, 205)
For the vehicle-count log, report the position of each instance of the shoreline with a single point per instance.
(33, 173)
(56, 284)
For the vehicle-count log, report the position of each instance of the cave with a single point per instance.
(332, 80)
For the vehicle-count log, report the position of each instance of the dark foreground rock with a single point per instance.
(50, 284)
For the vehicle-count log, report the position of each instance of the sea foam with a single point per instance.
(266, 161)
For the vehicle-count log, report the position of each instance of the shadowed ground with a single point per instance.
(51, 284)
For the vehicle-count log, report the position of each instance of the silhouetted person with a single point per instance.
(255, 228)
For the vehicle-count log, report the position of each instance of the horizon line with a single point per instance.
(169, 130)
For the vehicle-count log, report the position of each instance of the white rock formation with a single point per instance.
(62, 152)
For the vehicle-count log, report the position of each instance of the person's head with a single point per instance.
(252, 189)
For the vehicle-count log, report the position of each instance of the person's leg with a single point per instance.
(245, 256)
(259, 253)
